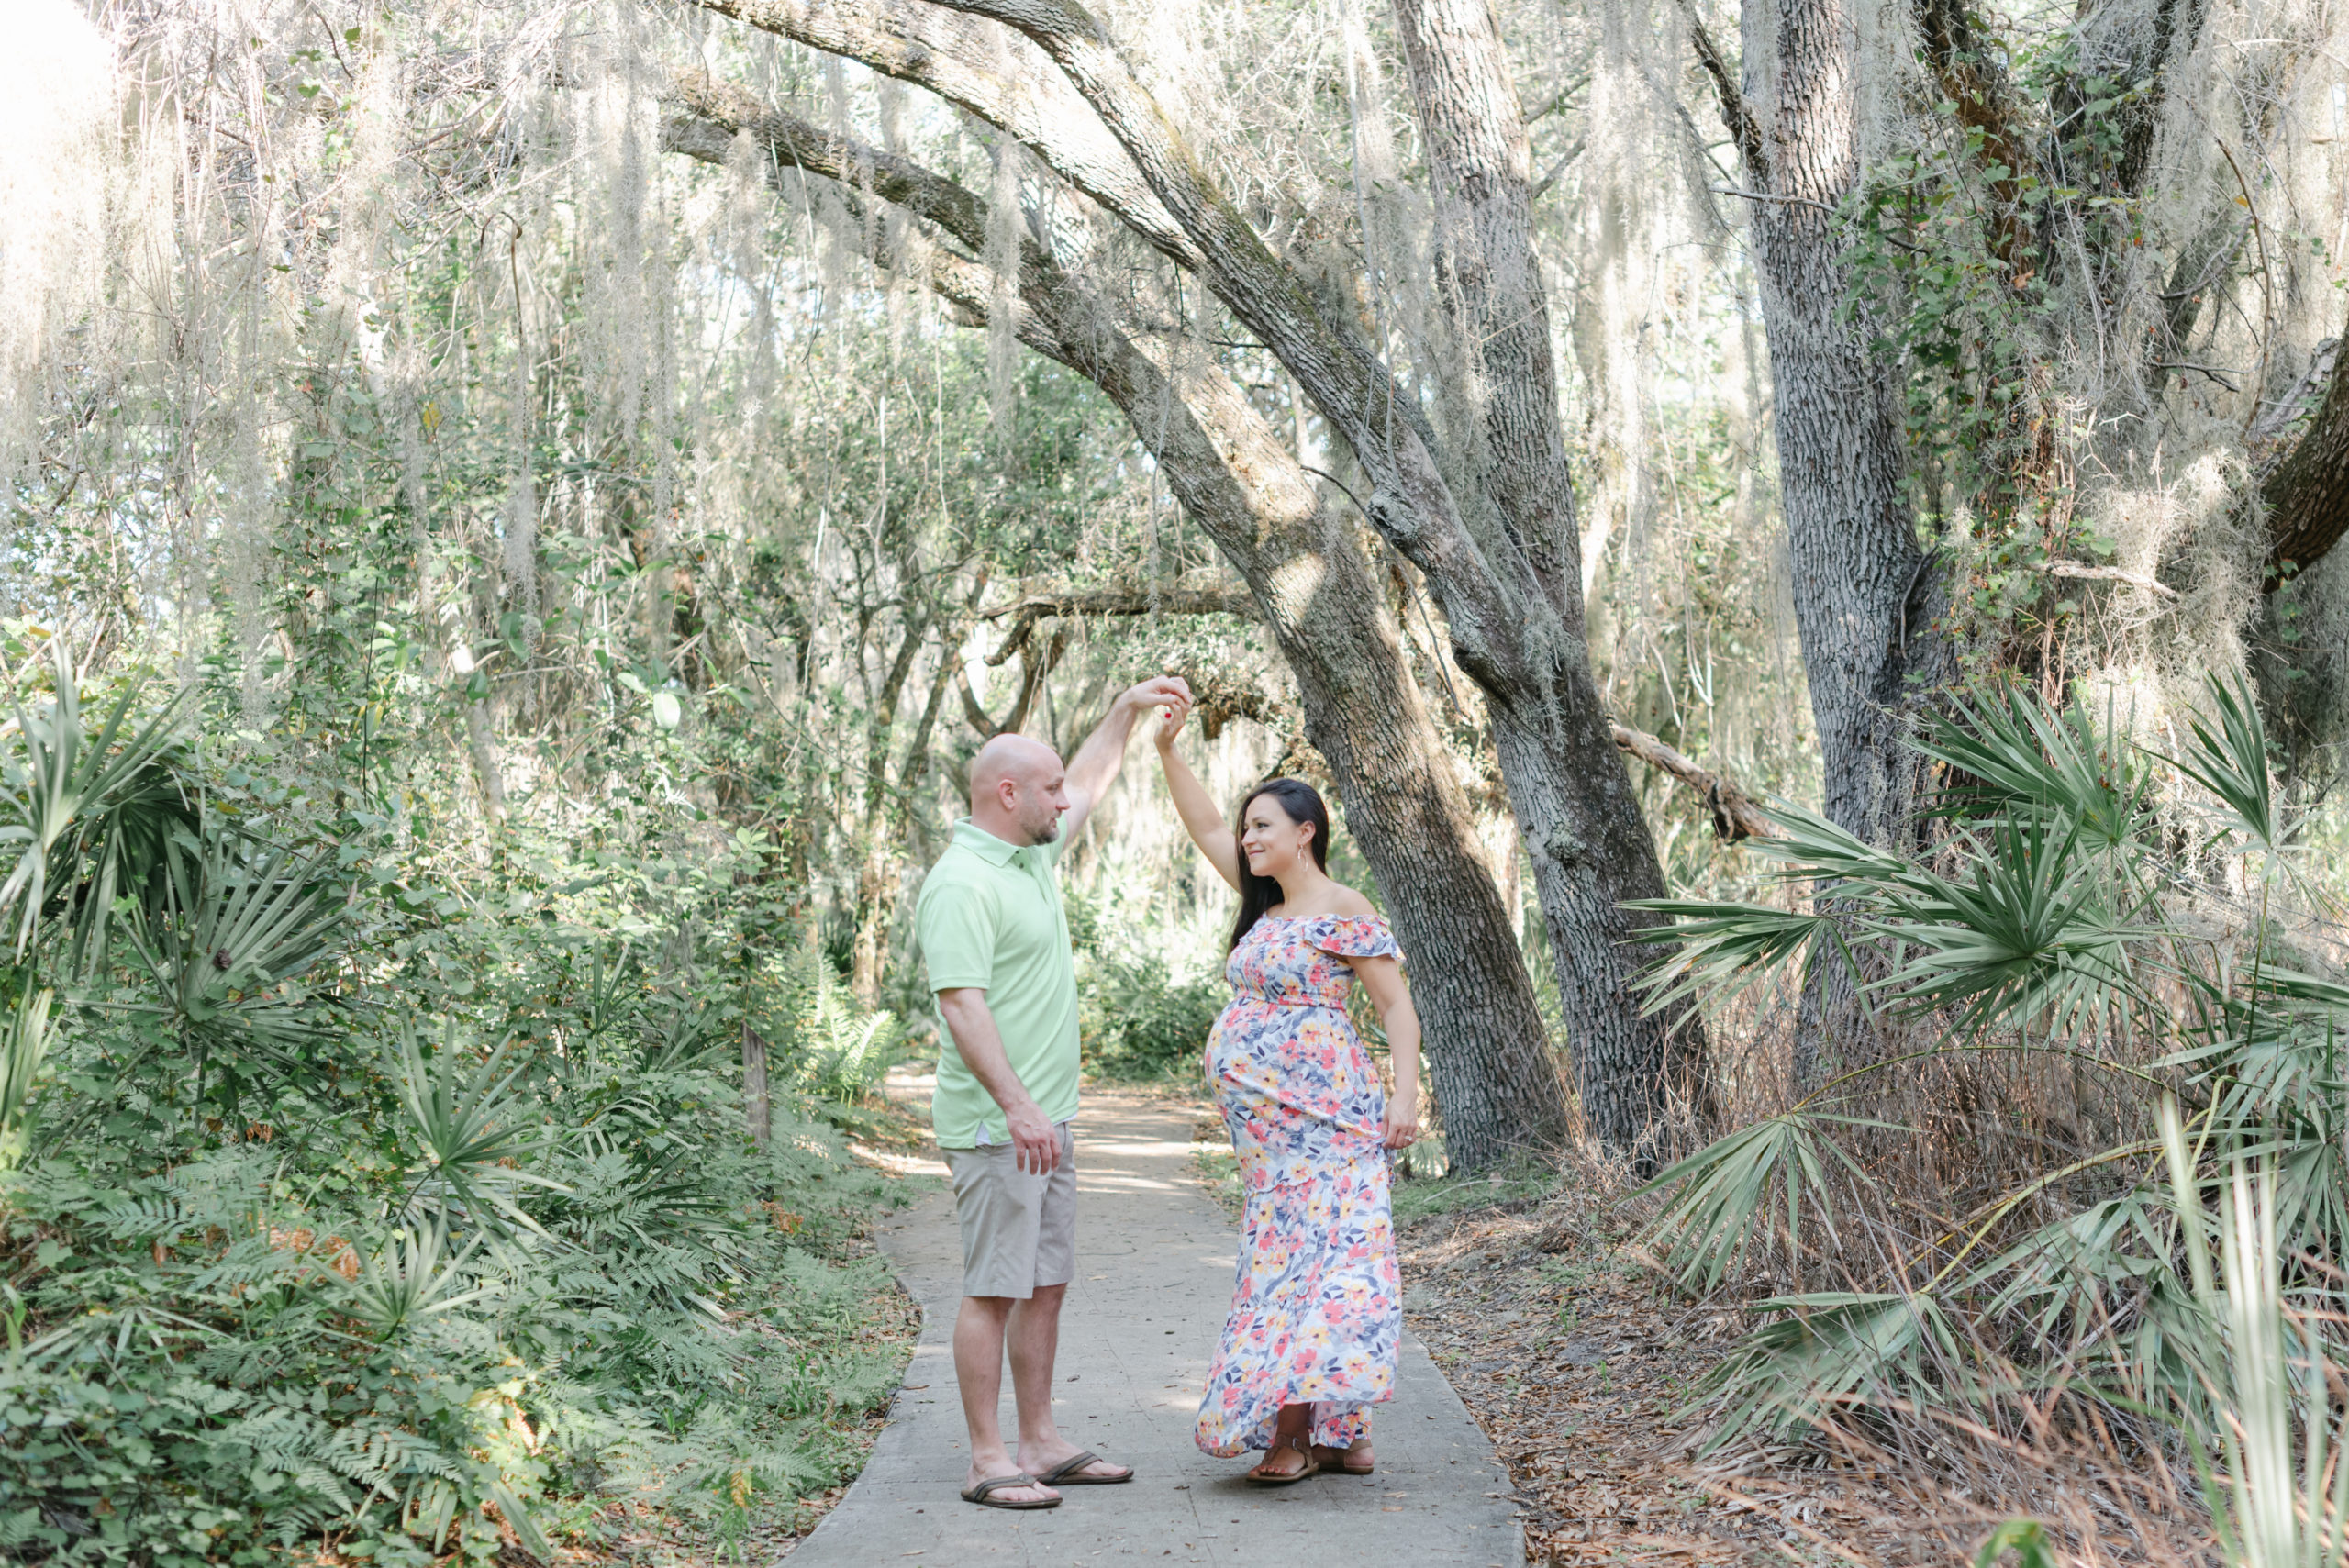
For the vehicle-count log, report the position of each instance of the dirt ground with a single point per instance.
(1579, 1368)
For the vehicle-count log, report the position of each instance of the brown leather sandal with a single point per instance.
(1070, 1472)
(1260, 1476)
(1336, 1463)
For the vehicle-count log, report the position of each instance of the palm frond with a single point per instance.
(470, 1129)
(2026, 759)
(232, 928)
(1722, 1195)
(2231, 763)
(80, 794)
(2031, 932)
(1834, 1350)
(1718, 949)
(414, 1275)
(24, 1041)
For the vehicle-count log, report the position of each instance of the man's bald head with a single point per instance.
(1019, 789)
(1013, 757)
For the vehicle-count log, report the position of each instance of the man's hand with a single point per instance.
(1035, 1145)
(1096, 765)
(1159, 691)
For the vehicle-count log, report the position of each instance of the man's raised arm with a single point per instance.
(1095, 767)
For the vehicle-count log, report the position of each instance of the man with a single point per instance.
(995, 942)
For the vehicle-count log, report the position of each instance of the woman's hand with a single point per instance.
(1403, 1121)
(1170, 721)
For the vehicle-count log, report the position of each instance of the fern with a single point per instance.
(841, 1052)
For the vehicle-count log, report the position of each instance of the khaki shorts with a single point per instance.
(1018, 1228)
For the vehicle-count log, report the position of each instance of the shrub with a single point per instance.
(836, 1050)
(1138, 1024)
(2083, 1058)
(345, 1207)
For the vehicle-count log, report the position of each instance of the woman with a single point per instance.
(1316, 1311)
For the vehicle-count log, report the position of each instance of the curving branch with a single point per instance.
(1175, 599)
(993, 75)
(1330, 356)
(1745, 130)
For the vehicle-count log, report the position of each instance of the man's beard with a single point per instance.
(1046, 831)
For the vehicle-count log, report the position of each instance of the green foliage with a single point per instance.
(75, 799)
(1722, 1204)
(2052, 926)
(292, 1253)
(839, 1050)
(2279, 1497)
(2027, 1538)
(1139, 1023)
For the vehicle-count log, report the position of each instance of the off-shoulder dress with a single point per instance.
(1316, 1307)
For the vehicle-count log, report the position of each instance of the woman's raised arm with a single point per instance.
(1200, 818)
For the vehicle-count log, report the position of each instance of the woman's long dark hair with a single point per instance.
(1300, 803)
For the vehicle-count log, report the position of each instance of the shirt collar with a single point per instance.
(984, 844)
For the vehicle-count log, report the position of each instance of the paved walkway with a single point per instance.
(1153, 1281)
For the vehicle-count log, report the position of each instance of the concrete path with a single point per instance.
(1153, 1281)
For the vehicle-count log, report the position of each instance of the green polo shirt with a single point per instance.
(990, 916)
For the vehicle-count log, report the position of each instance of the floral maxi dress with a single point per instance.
(1317, 1310)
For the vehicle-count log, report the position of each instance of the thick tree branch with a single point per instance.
(1410, 503)
(976, 717)
(1745, 130)
(706, 104)
(1477, 149)
(1971, 78)
(1175, 598)
(1734, 815)
(2307, 492)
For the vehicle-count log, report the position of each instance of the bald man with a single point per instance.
(995, 942)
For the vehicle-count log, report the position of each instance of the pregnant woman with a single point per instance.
(1317, 1309)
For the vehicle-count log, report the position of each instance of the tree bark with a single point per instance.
(2307, 494)
(1734, 814)
(1487, 1053)
(1866, 594)
(876, 875)
(757, 1108)
(489, 767)
(1590, 849)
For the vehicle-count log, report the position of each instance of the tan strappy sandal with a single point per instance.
(1260, 1476)
(1336, 1463)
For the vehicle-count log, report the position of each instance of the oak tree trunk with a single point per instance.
(1589, 846)
(1866, 595)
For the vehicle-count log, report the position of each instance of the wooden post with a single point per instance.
(754, 1086)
